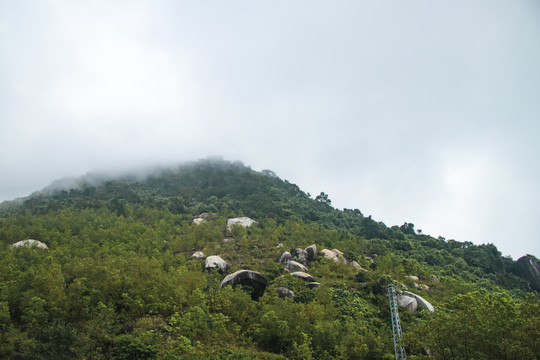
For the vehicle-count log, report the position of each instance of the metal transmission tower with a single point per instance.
(399, 351)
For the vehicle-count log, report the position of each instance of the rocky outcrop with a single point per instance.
(300, 254)
(334, 254)
(198, 255)
(285, 258)
(283, 292)
(241, 221)
(311, 252)
(406, 301)
(295, 266)
(420, 300)
(253, 279)
(302, 275)
(328, 254)
(528, 268)
(216, 262)
(31, 243)
(313, 285)
(434, 278)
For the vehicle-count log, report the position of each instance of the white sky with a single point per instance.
(412, 111)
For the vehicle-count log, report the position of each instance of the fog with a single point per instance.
(414, 111)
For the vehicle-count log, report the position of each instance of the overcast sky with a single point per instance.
(411, 111)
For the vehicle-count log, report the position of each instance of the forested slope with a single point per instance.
(118, 280)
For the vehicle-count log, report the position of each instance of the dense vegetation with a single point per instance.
(118, 280)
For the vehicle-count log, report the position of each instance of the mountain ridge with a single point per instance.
(128, 251)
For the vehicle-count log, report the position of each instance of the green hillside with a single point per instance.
(118, 280)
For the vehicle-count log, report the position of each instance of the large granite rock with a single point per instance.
(241, 221)
(406, 301)
(285, 257)
(216, 262)
(302, 275)
(31, 243)
(420, 300)
(311, 252)
(253, 279)
(335, 255)
(301, 254)
(295, 266)
(528, 268)
(313, 285)
(328, 254)
(283, 292)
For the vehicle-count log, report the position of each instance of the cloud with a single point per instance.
(417, 112)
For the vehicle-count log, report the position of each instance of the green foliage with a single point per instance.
(118, 280)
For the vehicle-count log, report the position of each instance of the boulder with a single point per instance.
(198, 221)
(313, 285)
(337, 252)
(301, 254)
(285, 257)
(302, 275)
(295, 266)
(406, 301)
(204, 217)
(421, 287)
(31, 243)
(198, 255)
(253, 279)
(334, 254)
(329, 254)
(412, 277)
(356, 265)
(311, 252)
(216, 262)
(420, 300)
(242, 221)
(283, 292)
(434, 278)
(528, 268)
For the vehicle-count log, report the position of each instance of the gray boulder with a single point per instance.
(216, 262)
(420, 300)
(313, 285)
(311, 252)
(241, 221)
(434, 278)
(31, 243)
(253, 279)
(406, 301)
(528, 268)
(283, 292)
(301, 254)
(295, 266)
(285, 257)
(302, 275)
(328, 254)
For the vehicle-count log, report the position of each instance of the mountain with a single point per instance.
(139, 266)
